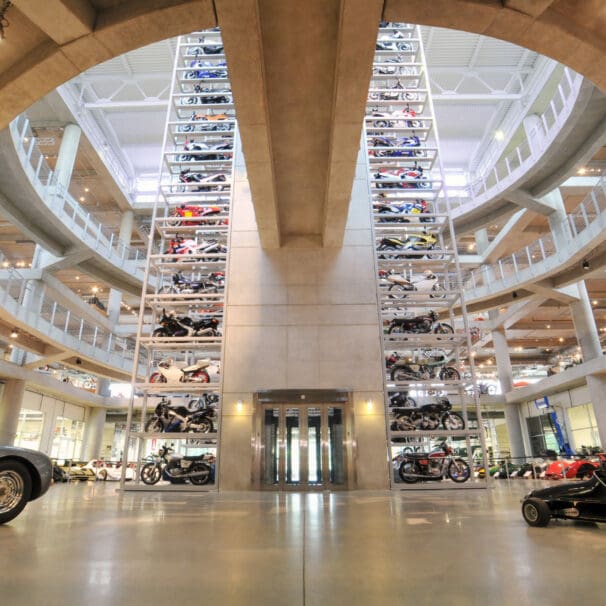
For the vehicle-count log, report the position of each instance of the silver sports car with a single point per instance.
(25, 475)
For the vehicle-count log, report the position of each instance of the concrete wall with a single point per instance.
(302, 317)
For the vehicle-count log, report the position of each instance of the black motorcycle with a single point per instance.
(425, 323)
(433, 466)
(184, 326)
(434, 367)
(426, 417)
(177, 468)
(169, 417)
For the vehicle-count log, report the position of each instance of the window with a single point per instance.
(29, 429)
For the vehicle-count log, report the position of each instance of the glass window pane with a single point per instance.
(336, 460)
(271, 452)
(293, 462)
(314, 446)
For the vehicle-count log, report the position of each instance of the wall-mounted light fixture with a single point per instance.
(586, 265)
(239, 406)
(369, 405)
(14, 334)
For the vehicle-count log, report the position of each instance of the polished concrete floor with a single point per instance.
(85, 544)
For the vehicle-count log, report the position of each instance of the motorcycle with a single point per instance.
(424, 323)
(427, 417)
(171, 326)
(194, 251)
(205, 182)
(186, 211)
(397, 213)
(205, 49)
(399, 118)
(169, 372)
(211, 122)
(433, 367)
(400, 286)
(169, 418)
(212, 283)
(416, 242)
(401, 399)
(207, 153)
(395, 147)
(433, 466)
(208, 96)
(204, 70)
(401, 178)
(177, 468)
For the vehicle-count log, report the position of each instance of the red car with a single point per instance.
(579, 468)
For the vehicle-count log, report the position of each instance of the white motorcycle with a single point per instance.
(169, 372)
(401, 286)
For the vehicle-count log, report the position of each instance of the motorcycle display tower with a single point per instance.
(188, 239)
(418, 272)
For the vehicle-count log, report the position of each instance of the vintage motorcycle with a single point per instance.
(400, 118)
(184, 326)
(413, 244)
(169, 372)
(433, 466)
(182, 213)
(400, 286)
(208, 123)
(431, 367)
(424, 323)
(176, 468)
(426, 417)
(213, 282)
(207, 96)
(203, 70)
(168, 418)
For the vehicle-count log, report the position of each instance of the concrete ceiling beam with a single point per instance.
(515, 312)
(502, 243)
(61, 20)
(566, 294)
(525, 200)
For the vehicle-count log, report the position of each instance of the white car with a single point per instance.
(110, 470)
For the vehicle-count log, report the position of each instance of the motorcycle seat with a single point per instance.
(194, 458)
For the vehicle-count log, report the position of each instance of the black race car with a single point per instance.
(570, 501)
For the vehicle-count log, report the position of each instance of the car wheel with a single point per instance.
(15, 489)
(585, 472)
(536, 512)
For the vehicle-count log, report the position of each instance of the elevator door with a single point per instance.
(303, 447)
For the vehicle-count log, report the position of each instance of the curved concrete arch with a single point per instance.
(300, 122)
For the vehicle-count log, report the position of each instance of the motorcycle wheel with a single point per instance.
(202, 479)
(159, 332)
(442, 328)
(436, 288)
(408, 467)
(450, 374)
(154, 425)
(168, 290)
(150, 474)
(453, 421)
(397, 291)
(458, 471)
(203, 426)
(201, 376)
(157, 377)
(436, 256)
(396, 329)
(172, 221)
(400, 374)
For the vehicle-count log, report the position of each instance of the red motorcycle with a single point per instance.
(182, 213)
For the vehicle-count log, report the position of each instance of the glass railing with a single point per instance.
(64, 205)
(587, 213)
(529, 151)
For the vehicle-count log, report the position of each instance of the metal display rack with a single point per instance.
(418, 269)
(185, 273)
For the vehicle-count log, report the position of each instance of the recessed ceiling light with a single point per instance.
(582, 171)
(499, 135)
(86, 189)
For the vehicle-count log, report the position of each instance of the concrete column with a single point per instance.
(67, 155)
(482, 243)
(558, 223)
(597, 389)
(115, 296)
(584, 325)
(512, 415)
(535, 133)
(10, 407)
(93, 433)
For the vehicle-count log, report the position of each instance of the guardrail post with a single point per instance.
(81, 329)
(94, 343)
(542, 247)
(52, 318)
(109, 342)
(529, 256)
(515, 264)
(501, 270)
(596, 204)
(573, 227)
(30, 150)
(584, 213)
(67, 320)
(39, 166)
(24, 128)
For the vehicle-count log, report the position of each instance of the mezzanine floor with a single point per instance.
(87, 545)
